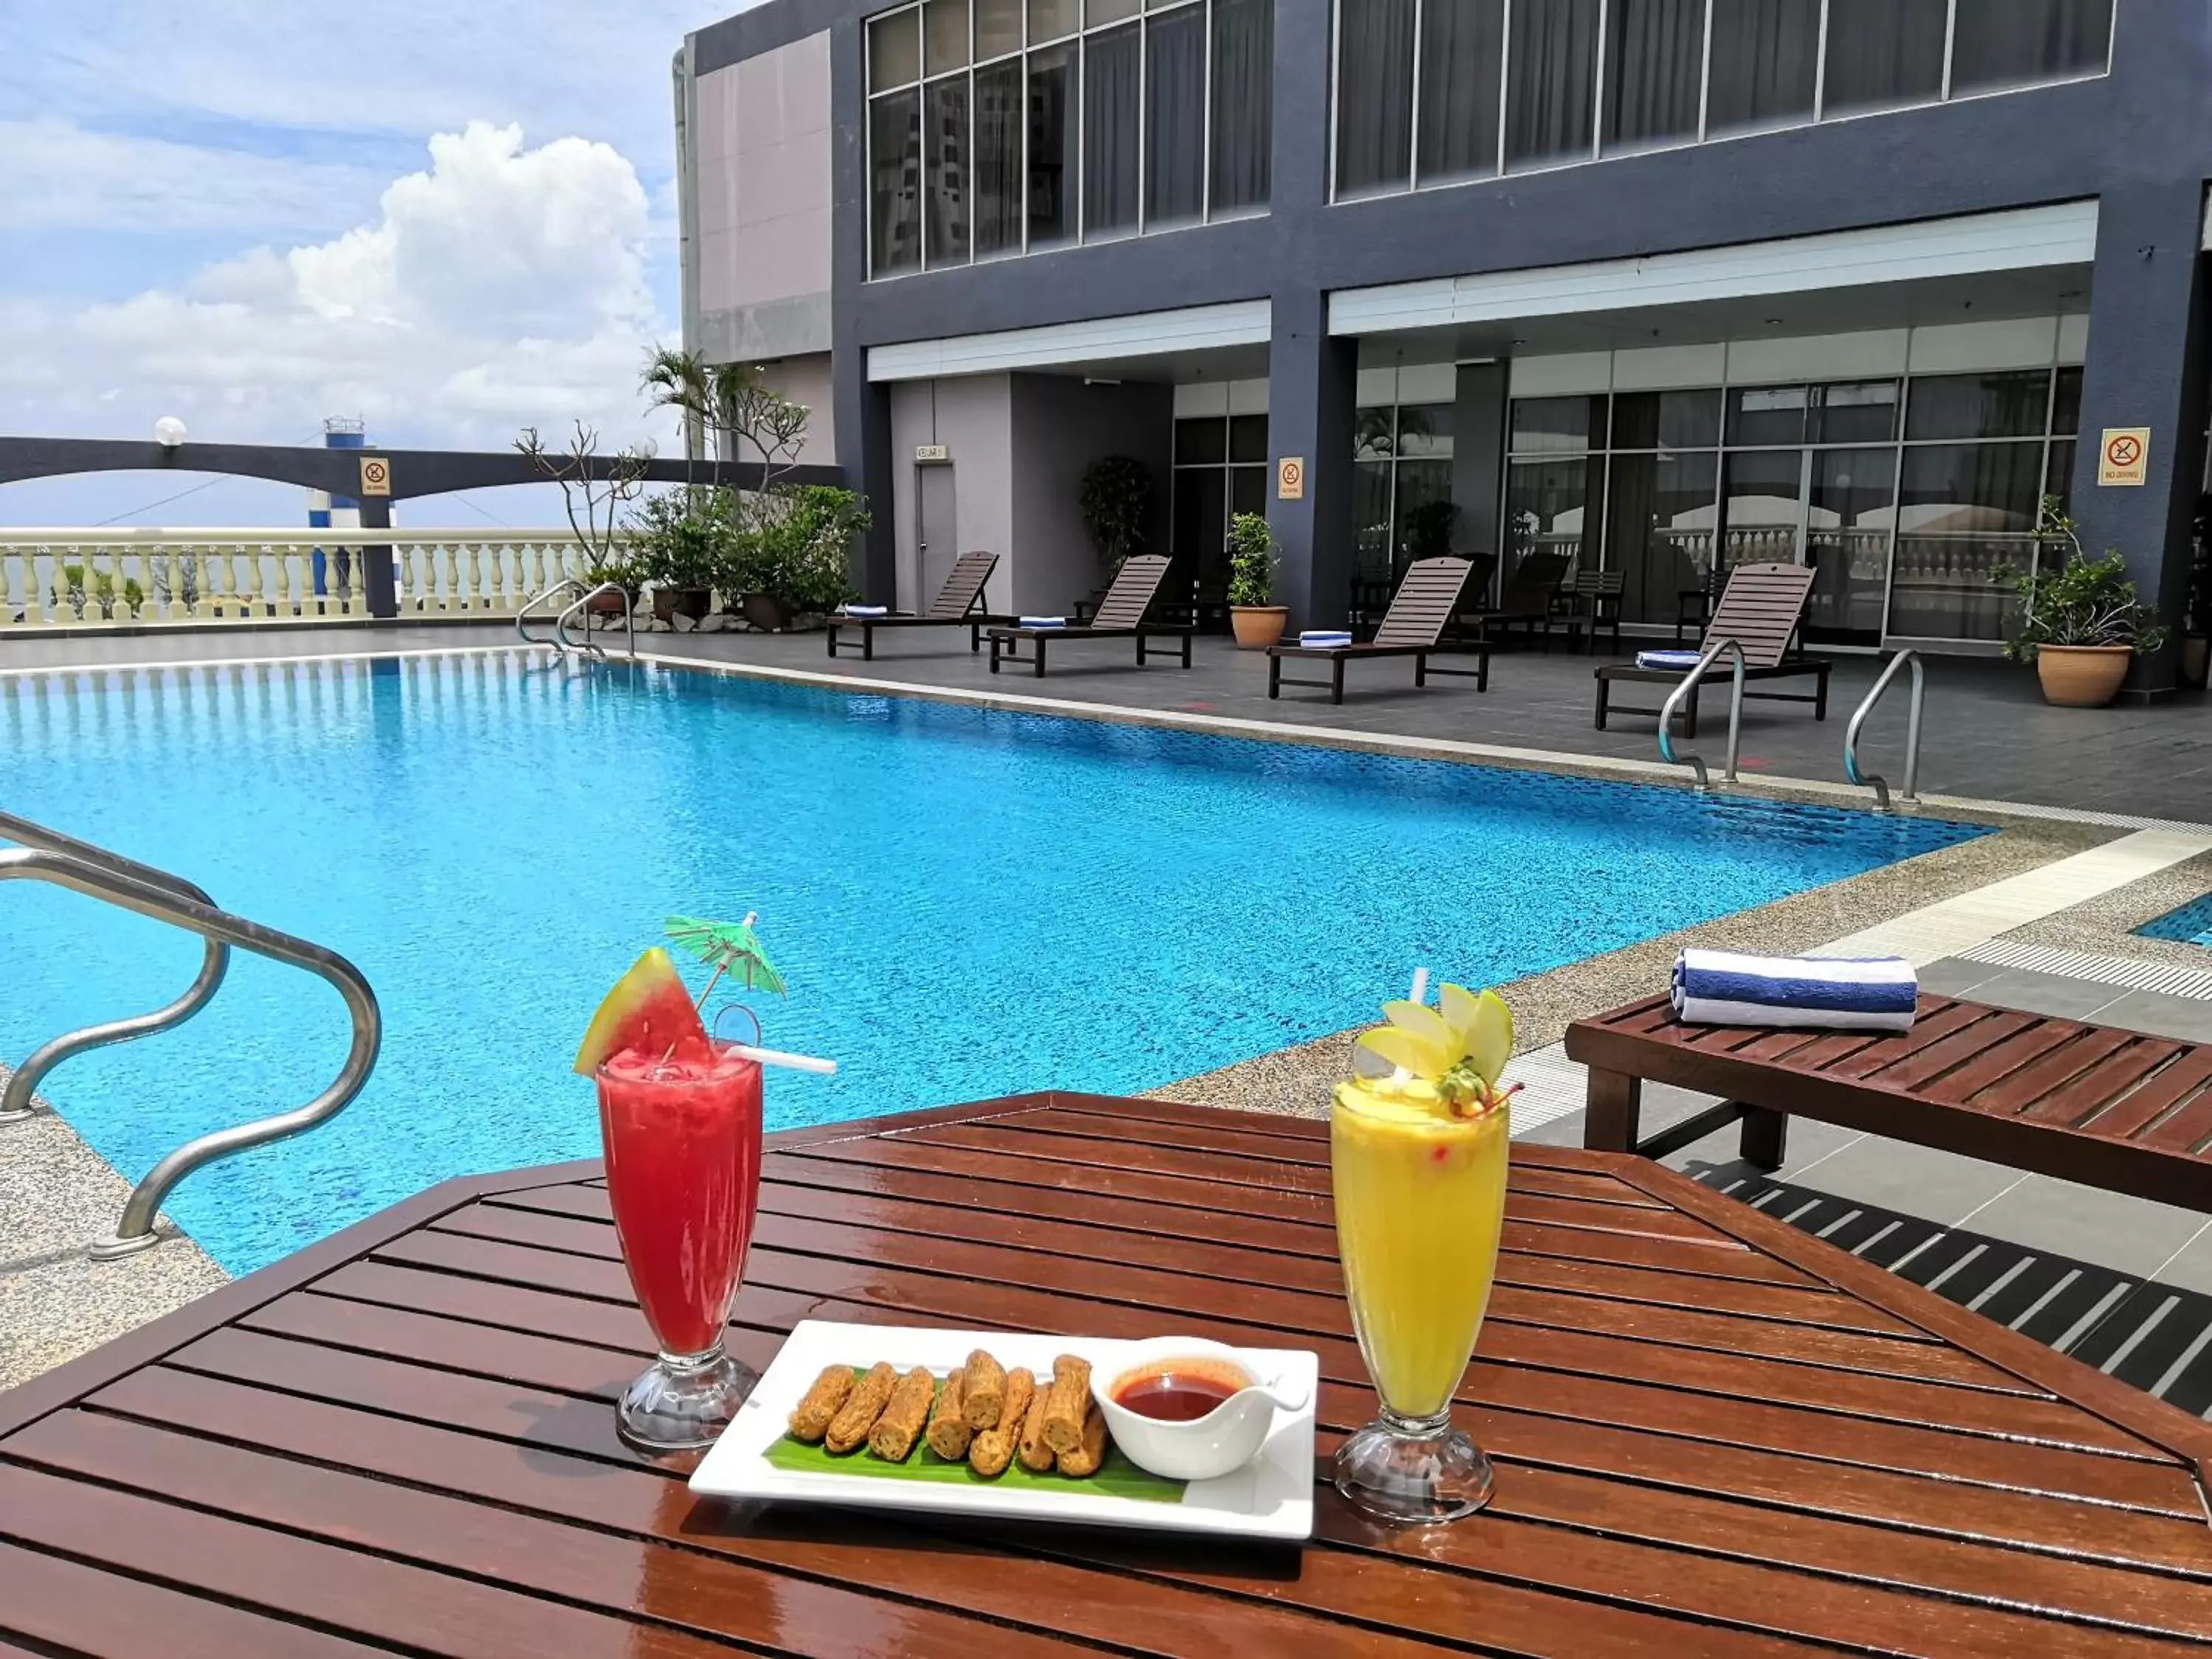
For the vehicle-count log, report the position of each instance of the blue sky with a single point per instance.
(251, 214)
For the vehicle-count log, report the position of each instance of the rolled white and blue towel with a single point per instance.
(864, 612)
(1044, 621)
(1684, 659)
(1837, 993)
(1325, 639)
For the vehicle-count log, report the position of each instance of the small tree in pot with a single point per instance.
(680, 541)
(2083, 621)
(1115, 499)
(1258, 621)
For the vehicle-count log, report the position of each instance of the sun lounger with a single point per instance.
(959, 604)
(1760, 610)
(1527, 602)
(1413, 628)
(1120, 616)
(2093, 1103)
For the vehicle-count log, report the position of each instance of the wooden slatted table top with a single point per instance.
(1713, 1434)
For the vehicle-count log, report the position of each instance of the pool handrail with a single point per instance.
(23, 1083)
(524, 634)
(161, 901)
(1680, 693)
(1910, 795)
(629, 621)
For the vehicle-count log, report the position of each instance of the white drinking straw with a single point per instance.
(1420, 986)
(777, 1057)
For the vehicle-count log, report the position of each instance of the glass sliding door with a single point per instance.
(1762, 507)
(1850, 508)
(1659, 530)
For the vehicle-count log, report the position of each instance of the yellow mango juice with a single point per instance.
(1420, 1198)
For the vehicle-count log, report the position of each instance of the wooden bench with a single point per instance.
(2091, 1103)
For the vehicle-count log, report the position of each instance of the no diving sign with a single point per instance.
(2125, 457)
(375, 476)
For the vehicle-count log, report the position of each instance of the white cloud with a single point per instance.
(61, 176)
(504, 285)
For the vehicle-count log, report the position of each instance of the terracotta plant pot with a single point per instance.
(609, 604)
(2195, 659)
(768, 615)
(689, 603)
(2081, 675)
(1258, 626)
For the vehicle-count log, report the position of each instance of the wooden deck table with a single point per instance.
(1713, 1434)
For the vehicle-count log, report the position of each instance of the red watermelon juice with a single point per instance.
(683, 1136)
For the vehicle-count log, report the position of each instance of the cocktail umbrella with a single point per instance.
(727, 947)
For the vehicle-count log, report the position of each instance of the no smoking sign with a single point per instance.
(2125, 457)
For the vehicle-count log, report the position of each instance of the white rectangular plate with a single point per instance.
(1272, 1497)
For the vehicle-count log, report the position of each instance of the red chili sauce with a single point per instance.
(1178, 1391)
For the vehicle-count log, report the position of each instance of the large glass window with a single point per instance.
(1244, 70)
(1437, 92)
(2004, 43)
(1374, 96)
(1883, 52)
(1655, 59)
(1551, 81)
(1220, 468)
(1402, 494)
(1005, 126)
(1903, 497)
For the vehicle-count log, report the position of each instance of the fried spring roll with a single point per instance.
(949, 1433)
(1066, 1402)
(989, 1452)
(904, 1413)
(1030, 1444)
(861, 1408)
(810, 1421)
(987, 1391)
(1091, 1451)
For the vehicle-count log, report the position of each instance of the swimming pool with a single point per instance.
(2190, 925)
(965, 903)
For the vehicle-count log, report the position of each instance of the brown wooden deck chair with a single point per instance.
(1527, 602)
(1120, 616)
(1413, 627)
(958, 604)
(2098, 1104)
(1761, 609)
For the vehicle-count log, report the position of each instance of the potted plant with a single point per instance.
(795, 561)
(2081, 623)
(678, 539)
(1115, 499)
(1252, 563)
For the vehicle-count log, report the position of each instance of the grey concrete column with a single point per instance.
(1310, 391)
(376, 583)
(1477, 478)
(863, 409)
(2148, 338)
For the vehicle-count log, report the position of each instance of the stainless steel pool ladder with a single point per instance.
(524, 634)
(1910, 796)
(1681, 693)
(47, 855)
(589, 645)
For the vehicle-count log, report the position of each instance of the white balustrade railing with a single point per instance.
(184, 578)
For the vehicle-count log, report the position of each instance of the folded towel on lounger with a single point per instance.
(865, 611)
(1044, 621)
(1839, 994)
(1325, 639)
(1667, 658)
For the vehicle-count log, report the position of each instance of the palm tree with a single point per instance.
(683, 382)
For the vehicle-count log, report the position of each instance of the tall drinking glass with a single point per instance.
(1420, 1198)
(684, 1149)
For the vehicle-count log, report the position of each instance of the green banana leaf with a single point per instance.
(1117, 1476)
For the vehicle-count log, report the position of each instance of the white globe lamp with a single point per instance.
(168, 432)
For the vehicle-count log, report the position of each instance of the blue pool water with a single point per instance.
(2190, 925)
(965, 903)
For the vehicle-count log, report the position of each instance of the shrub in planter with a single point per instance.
(1115, 499)
(679, 543)
(1258, 621)
(796, 556)
(2082, 621)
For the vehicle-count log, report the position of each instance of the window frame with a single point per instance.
(1597, 151)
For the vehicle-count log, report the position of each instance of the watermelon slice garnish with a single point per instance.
(649, 1011)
